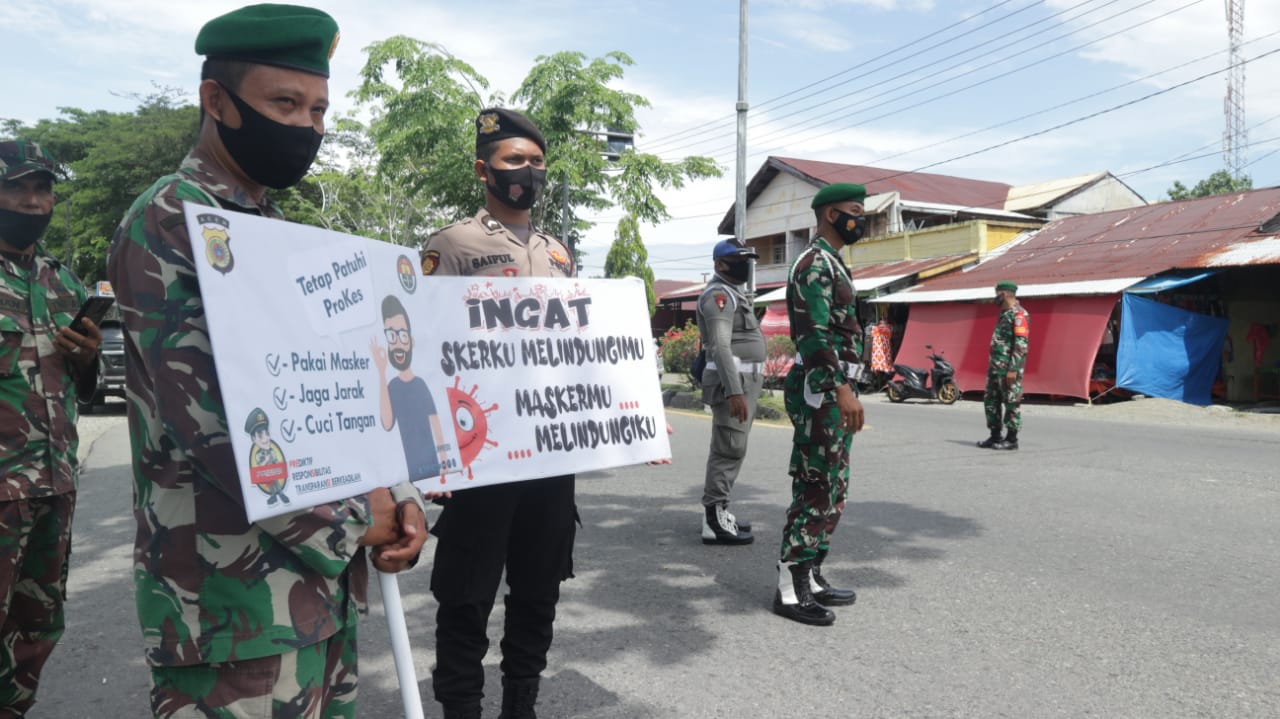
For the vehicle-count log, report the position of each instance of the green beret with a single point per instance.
(19, 158)
(290, 36)
(257, 418)
(498, 123)
(1006, 286)
(838, 192)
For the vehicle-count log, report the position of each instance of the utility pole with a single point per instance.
(740, 195)
(1236, 137)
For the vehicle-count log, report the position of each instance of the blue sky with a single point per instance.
(901, 84)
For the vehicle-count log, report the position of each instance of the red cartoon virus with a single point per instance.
(470, 423)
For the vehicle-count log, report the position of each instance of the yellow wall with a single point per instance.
(981, 236)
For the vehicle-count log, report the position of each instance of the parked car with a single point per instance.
(110, 366)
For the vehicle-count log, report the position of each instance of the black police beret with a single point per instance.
(499, 124)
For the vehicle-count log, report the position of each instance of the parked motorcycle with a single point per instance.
(938, 383)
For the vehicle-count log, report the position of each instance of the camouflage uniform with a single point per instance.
(824, 327)
(1009, 343)
(525, 527)
(215, 592)
(38, 466)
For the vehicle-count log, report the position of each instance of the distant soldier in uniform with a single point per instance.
(822, 404)
(45, 366)
(239, 619)
(1002, 398)
(731, 384)
(525, 527)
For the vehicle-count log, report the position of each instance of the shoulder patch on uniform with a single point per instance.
(721, 298)
(1021, 327)
(430, 262)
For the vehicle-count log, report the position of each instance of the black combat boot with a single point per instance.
(518, 698)
(719, 527)
(794, 597)
(992, 441)
(823, 592)
(1009, 442)
(462, 711)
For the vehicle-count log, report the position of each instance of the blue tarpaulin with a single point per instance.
(1168, 352)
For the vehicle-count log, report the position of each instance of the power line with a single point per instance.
(1037, 133)
(787, 131)
(720, 125)
(979, 46)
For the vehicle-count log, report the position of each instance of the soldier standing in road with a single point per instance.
(1002, 398)
(731, 384)
(822, 404)
(239, 619)
(525, 527)
(45, 366)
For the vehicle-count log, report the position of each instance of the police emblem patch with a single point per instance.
(720, 298)
(217, 242)
(487, 124)
(407, 274)
(430, 262)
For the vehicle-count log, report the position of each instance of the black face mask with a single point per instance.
(20, 229)
(739, 271)
(850, 228)
(270, 153)
(517, 188)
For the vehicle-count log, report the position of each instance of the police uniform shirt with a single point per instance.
(482, 246)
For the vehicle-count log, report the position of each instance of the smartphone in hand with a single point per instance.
(94, 308)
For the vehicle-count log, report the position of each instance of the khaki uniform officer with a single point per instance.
(525, 527)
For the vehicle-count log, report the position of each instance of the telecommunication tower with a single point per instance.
(1235, 137)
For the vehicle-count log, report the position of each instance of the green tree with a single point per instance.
(628, 258)
(111, 157)
(423, 101)
(1219, 183)
(346, 191)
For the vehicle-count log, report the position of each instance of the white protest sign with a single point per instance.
(343, 369)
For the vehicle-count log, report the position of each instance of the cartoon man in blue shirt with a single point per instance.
(405, 400)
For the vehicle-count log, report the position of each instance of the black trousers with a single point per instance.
(526, 528)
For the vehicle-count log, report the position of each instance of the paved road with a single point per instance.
(1122, 564)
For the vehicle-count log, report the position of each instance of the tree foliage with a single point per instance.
(1219, 183)
(628, 258)
(405, 173)
(111, 158)
(423, 101)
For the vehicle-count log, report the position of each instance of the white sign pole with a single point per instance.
(400, 649)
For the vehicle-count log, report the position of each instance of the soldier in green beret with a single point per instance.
(822, 403)
(1002, 398)
(45, 366)
(220, 598)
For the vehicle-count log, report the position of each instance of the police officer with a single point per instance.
(45, 365)
(525, 527)
(822, 404)
(731, 384)
(222, 600)
(1010, 340)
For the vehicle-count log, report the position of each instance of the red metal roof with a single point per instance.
(903, 267)
(1219, 231)
(911, 186)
